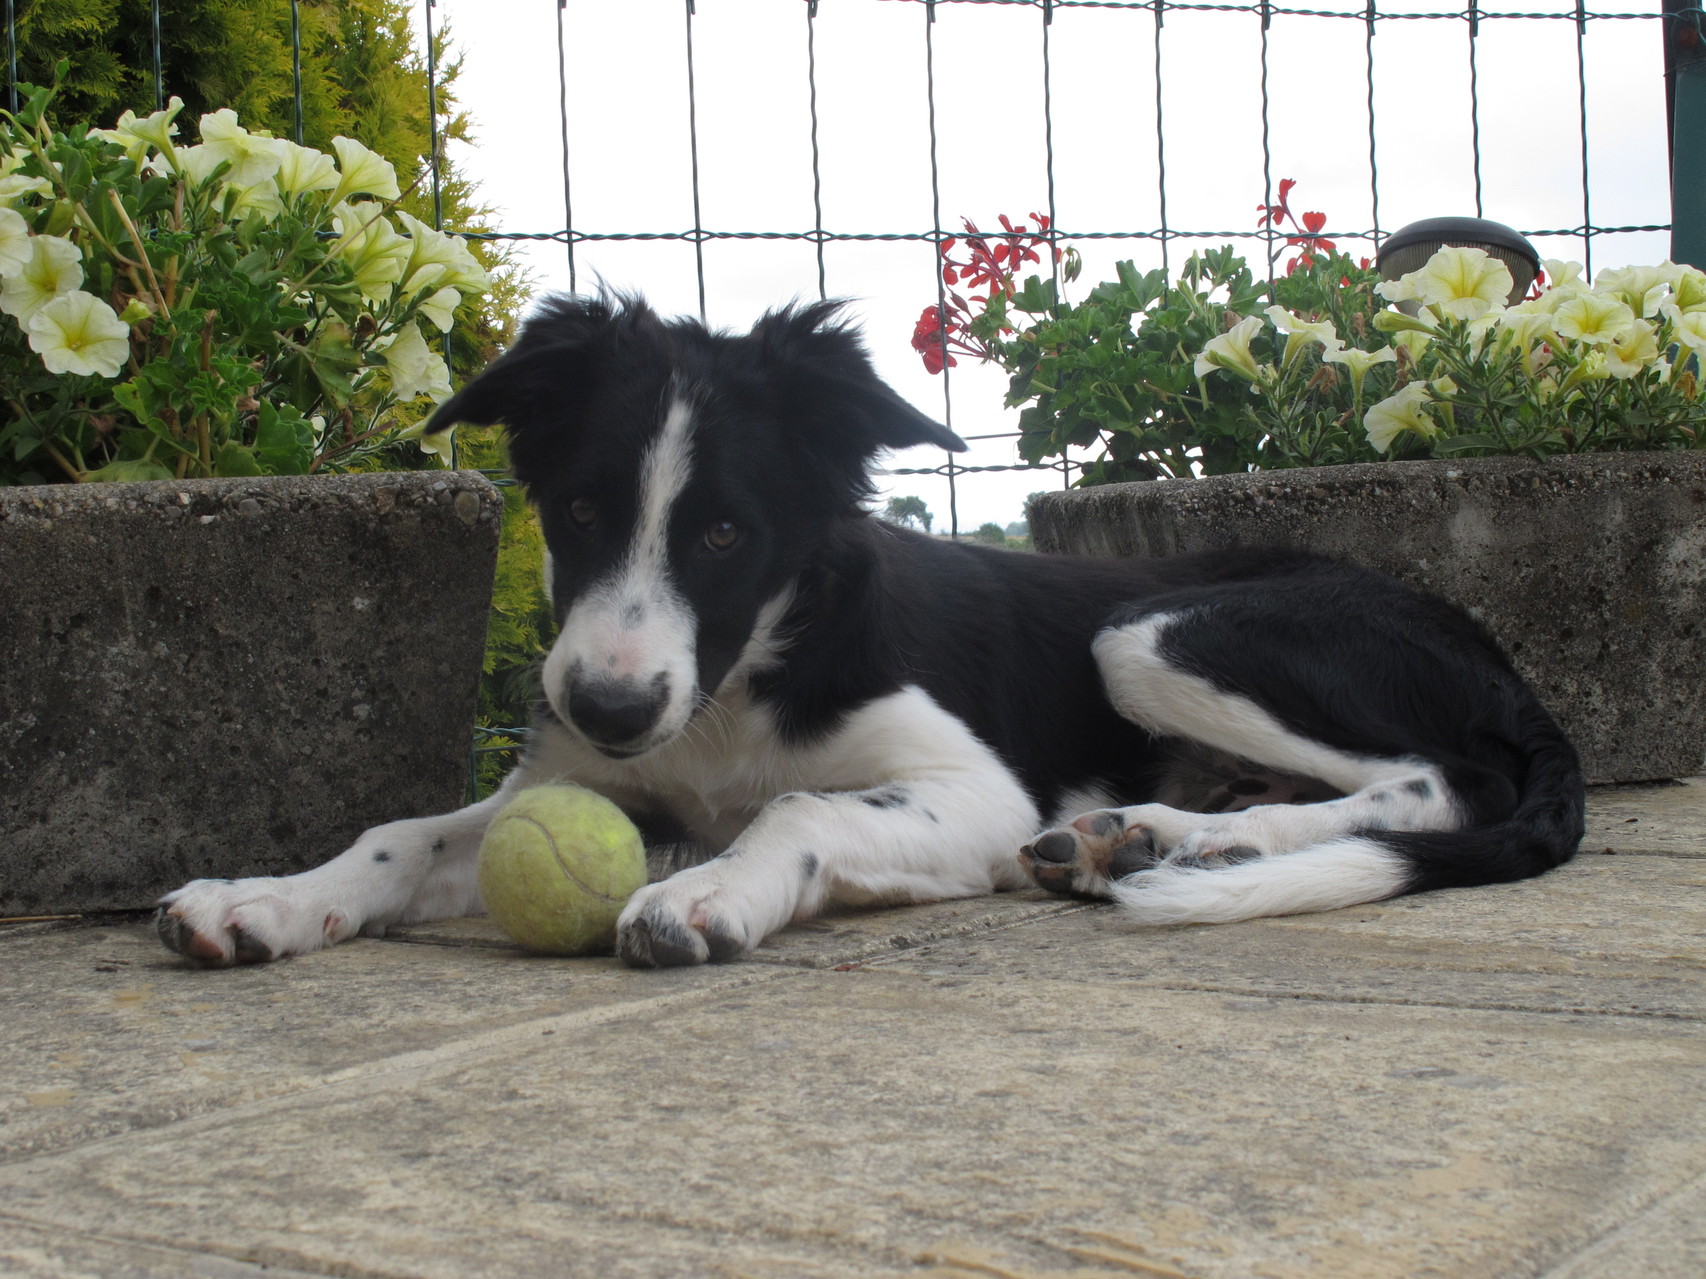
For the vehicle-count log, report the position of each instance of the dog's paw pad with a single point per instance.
(177, 936)
(658, 935)
(1082, 860)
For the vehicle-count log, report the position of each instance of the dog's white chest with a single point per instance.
(714, 778)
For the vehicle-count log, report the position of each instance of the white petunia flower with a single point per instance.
(437, 260)
(139, 136)
(54, 267)
(1593, 319)
(1300, 333)
(1398, 413)
(1634, 352)
(1462, 283)
(1561, 274)
(375, 252)
(1359, 362)
(14, 241)
(414, 368)
(303, 169)
(78, 333)
(252, 156)
(362, 172)
(1412, 342)
(1689, 330)
(14, 186)
(1688, 289)
(1641, 287)
(440, 443)
(440, 308)
(1231, 351)
(261, 200)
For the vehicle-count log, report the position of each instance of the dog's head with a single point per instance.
(683, 479)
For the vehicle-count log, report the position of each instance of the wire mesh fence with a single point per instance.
(722, 156)
(726, 156)
(1549, 119)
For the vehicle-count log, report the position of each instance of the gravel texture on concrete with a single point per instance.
(1493, 1082)
(212, 677)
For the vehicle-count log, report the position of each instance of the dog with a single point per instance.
(850, 713)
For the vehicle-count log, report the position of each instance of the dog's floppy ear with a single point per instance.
(821, 369)
(553, 364)
(509, 389)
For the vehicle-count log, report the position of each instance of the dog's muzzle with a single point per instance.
(618, 716)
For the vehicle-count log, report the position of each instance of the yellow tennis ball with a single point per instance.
(557, 865)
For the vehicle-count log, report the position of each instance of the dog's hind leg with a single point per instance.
(1171, 865)
(421, 868)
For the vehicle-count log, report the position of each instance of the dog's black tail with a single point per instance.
(1542, 832)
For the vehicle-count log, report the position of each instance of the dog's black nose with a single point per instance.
(617, 712)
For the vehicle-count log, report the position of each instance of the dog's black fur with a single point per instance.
(800, 625)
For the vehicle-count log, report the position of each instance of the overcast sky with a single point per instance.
(630, 163)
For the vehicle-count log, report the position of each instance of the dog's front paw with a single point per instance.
(220, 922)
(668, 925)
(1083, 859)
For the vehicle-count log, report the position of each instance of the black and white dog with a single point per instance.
(857, 714)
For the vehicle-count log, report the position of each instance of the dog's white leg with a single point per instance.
(1169, 865)
(401, 872)
(942, 821)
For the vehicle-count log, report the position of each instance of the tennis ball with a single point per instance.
(556, 867)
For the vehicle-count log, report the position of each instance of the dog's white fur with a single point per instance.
(898, 800)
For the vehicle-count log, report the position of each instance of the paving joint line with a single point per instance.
(1490, 1006)
(420, 1063)
(1582, 1263)
(184, 1255)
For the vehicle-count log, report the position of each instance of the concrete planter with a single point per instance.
(230, 677)
(1591, 570)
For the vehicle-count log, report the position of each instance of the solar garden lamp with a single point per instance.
(1409, 248)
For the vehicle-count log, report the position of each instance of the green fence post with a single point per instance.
(1685, 75)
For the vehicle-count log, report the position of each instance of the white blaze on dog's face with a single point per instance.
(623, 669)
(685, 480)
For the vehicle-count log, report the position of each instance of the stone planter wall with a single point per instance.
(1591, 570)
(230, 677)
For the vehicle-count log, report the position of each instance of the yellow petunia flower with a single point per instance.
(78, 333)
(54, 267)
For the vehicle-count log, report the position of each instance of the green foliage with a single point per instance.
(1220, 372)
(990, 534)
(230, 308)
(519, 622)
(1117, 369)
(362, 77)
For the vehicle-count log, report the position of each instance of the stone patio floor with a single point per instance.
(1495, 1082)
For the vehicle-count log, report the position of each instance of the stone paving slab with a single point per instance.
(859, 1122)
(32, 1252)
(1601, 935)
(827, 942)
(124, 1035)
(1666, 820)
(1498, 1082)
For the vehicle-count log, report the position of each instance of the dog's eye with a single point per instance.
(583, 512)
(721, 535)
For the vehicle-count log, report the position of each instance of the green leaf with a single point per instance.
(284, 441)
(1036, 296)
(235, 460)
(130, 470)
